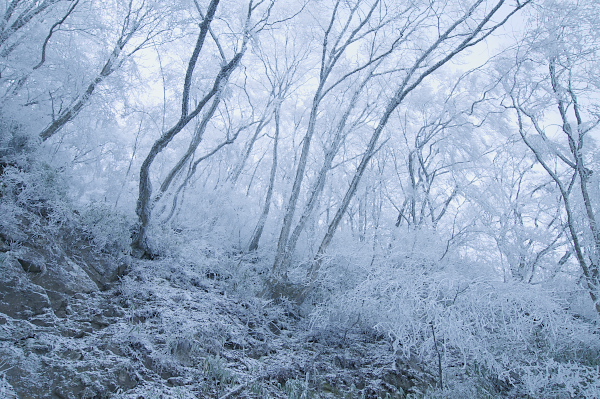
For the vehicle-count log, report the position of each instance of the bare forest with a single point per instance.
(299, 199)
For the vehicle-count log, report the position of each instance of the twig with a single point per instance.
(240, 387)
(439, 356)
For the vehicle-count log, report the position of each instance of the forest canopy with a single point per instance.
(410, 166)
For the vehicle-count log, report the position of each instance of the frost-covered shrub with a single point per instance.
(10, 214)
(221, 216)
(298, 389)
(39, 188)
(152, 389)
(516, 333)
(201, 250)
(108, 230)
(164, 240)
(248, 276)
(15, 139)
(206, 255)
(35, 199)
(561, 379)
(216, 369)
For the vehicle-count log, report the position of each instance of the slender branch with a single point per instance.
(52, 30)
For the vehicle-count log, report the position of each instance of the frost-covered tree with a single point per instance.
(553, 90)
(255, 18)
(457, 30)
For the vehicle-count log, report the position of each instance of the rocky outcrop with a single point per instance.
(19, 296)
(41, 272)
(34, 281)
(169, 330)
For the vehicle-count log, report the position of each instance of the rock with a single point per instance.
(4, 246)
(68, 278)
(345, 363)
(43, 320)
(115, 349)
(24, 367)
(121, 270)
(59, 302)
(127, 379)
(398, 379)
(19, 298)
(7, 389)
(99, 322)
(113, 311)
(32, 262)
(100, 268)
(72, 354)
(36, 277)
(176, 381)
(11, 233)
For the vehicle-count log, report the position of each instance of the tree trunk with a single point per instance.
(267, 206)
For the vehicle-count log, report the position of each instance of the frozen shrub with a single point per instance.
(33, 200)
(107, 229)
(151, 389)
(184, 349)
(519, 334)
(216, 369)
(15, 139)
(37, 187)
(298, 389)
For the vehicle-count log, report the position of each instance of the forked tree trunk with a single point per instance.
(140, 247)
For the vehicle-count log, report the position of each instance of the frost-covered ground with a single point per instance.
(79, 318)
(177, 331)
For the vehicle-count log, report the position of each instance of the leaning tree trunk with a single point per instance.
(260, 225)
(140, 246)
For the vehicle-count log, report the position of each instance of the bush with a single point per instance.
(35, 199)
(517, 335)
(108, 230)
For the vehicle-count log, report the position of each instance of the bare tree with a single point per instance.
(423, 169)
(519, 209)
(260, 225)
(282, 76)
(559, 81)
(21, 26)
(340, 131)
(140, 22)
(18, 15)
(575, 130)
(472, 27)
(359, 22)
(211, 99)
